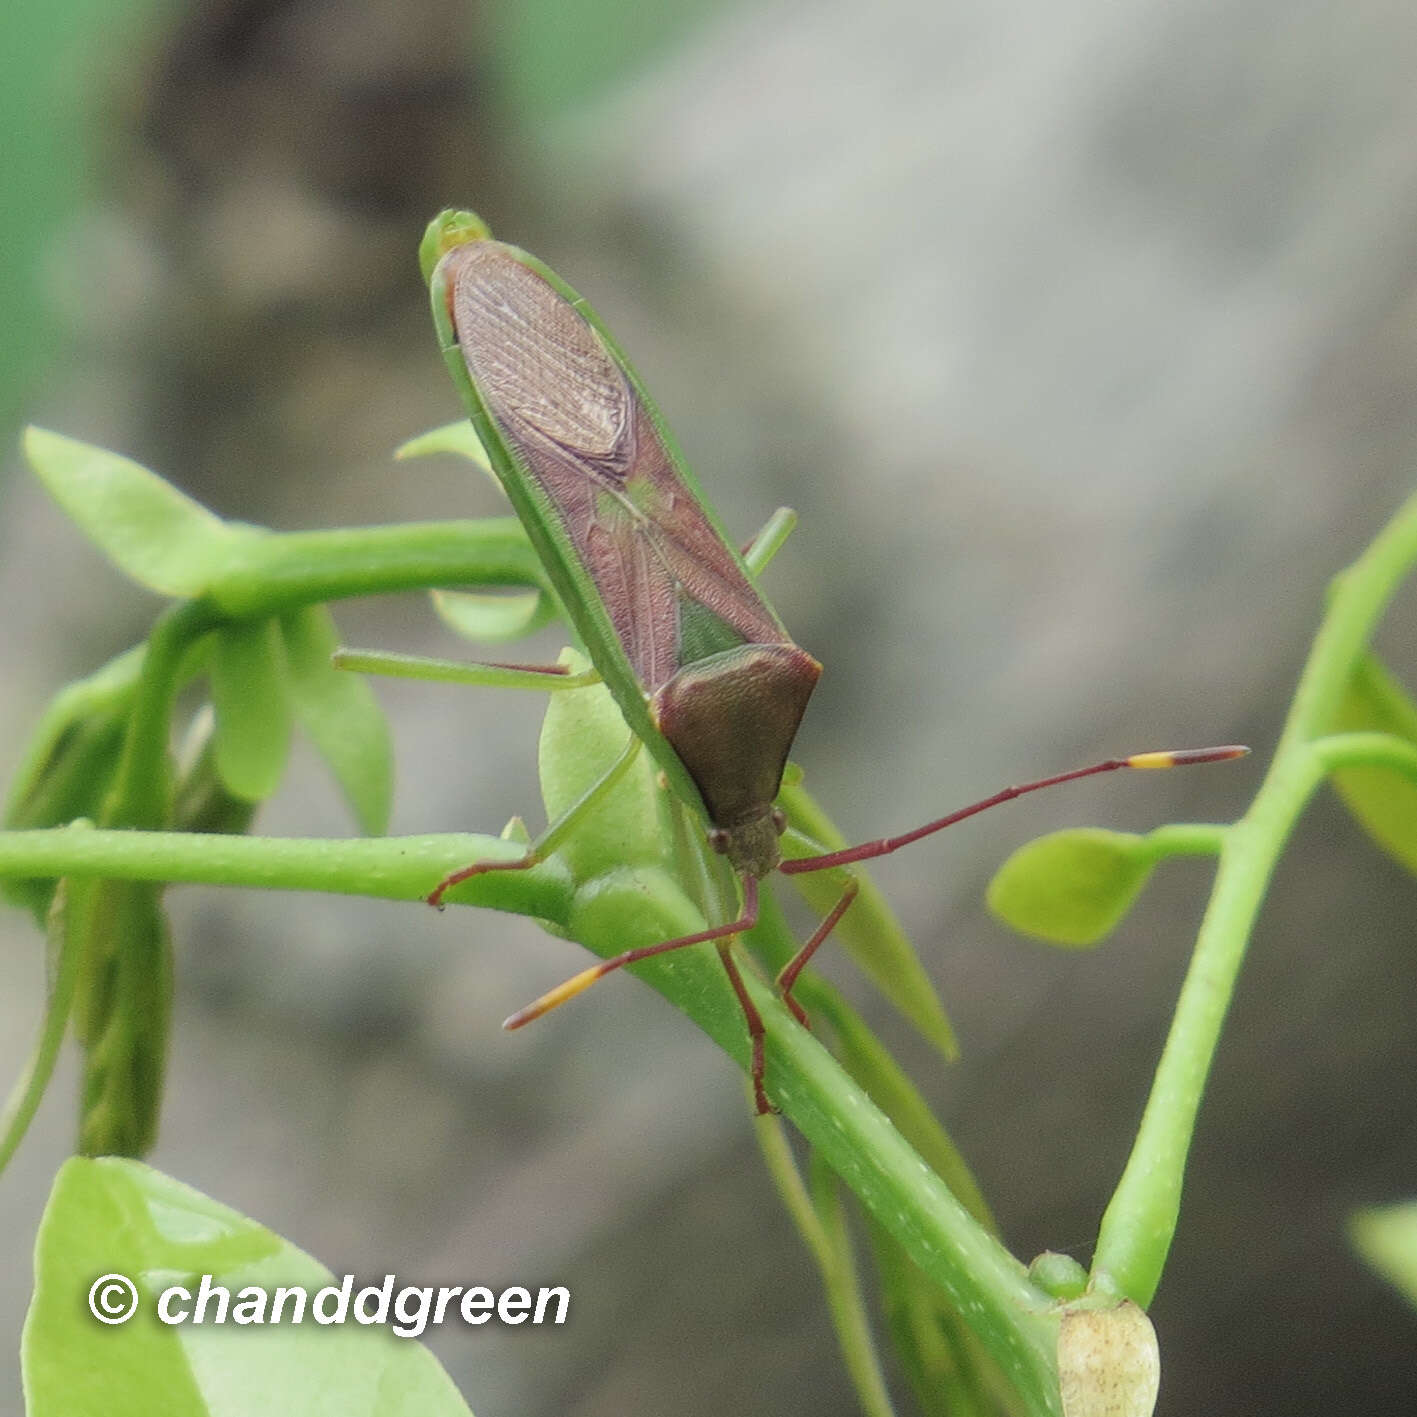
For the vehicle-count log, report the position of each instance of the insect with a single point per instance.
(706, 675)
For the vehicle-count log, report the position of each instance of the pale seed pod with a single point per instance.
(1108, 1362)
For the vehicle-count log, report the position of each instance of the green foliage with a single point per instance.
(1386, 1237)
(252, 703)
(341, 715)
(494, 619)
(123, 1001)
(121, 1217)
(69, 763)
(144, 525)
(57, 68)
(1380, 797)
(1073, 887)
(251, 624)
(459, 439)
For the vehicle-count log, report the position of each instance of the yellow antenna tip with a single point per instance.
(1185, 757)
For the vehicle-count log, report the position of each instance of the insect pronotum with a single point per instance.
(706, 675)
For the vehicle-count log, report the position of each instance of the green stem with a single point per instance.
(142, 785)
(843, 1288)
(982, 1279)
(276, 573)
(1366, 750)
(1140, 1221)
(1187, 839)
(821, 1221)
(385, 868)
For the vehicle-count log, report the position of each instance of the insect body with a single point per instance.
(704, 672)
(627, 540)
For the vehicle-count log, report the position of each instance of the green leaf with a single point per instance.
(1383, 801)
(118, 932)
(1386, 1238)
(887, 1085)
(119, 1217)
(342, 716)
(1072, 887)
(459, 438)
(251, 695)
(869, 931)
(105, 693)
(949, 1373)
(144, 525)
(842, 1282)
(493, 619)
(202, 802)
(126, 997)
(820, 1217)
(29, 1088)
(69, 763)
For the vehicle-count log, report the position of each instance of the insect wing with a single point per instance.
(583, 433)
(644, 571)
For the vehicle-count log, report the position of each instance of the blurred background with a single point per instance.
(1083, 338)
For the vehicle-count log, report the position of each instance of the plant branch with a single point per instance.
(1140, 1221)
(386, 868)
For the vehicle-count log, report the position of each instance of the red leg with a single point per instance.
(755, 1026)
(479, 868)
(868, 850)
(582, 981)
(788, 977)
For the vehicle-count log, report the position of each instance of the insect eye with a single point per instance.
(718, 840)
(779, 820)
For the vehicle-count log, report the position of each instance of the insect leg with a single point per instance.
(883, 846)
(788, 977)
(545, 677)
(554, 834)
(723, 933)
(755, 1025)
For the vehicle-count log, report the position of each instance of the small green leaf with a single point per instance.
(1383, 801)
(105, 693)
(342, 716)
(251, 695)
(459, 438)
(1072, 887)
(119, 1217)
(869, 931)
(29, 1089)
(1386, 1238)
(144, 525)
(493, 619)
(202, 802)
(69, 763)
